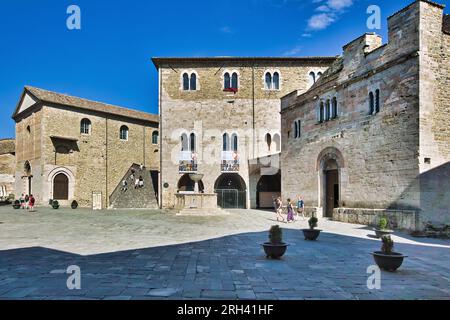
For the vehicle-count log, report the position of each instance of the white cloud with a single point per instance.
(320, 21)
(226, 29)
(323, 8)
(339, 4)
(292, 52)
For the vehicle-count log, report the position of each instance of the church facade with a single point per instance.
(372, 136)
(68, 148)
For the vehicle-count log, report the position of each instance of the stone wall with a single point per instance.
(209, 112)
(398, 219)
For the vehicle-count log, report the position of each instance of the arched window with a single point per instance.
(226, 81)
(184, 142)
(123, 133)
(276, 81)
(155, 136)
(328, 111)
(321, 112)
(226, 142)
(277, 141)
(298, 129)
(185, 82)
(377, 101)
(312, 78)
(319, 74)
(85, 127)
(192, 142)
(334, 108)
(234, 81)
(268, 141)
(29, 129)
(193, 82)
(371, 103)
(234, 142)
(268, 82)
(295, 130)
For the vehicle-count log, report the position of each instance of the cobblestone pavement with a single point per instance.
(157, 255)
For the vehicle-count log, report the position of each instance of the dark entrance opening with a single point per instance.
(61, 187)
(231, 191)
(268, 187)
(331, 187)
(186, 184)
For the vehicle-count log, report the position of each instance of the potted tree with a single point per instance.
(312, 233)
(55, 204)
(387, 259)
(276, 248)
(382, 229)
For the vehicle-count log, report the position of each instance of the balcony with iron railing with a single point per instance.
(230, 161)
(188, 162)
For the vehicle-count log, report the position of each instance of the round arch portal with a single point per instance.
(231, 191)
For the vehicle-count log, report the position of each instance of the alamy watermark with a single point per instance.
(74, 280)
(73, 22)
(374, 20)
(374, 280)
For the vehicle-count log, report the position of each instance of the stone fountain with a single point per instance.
(197, 203)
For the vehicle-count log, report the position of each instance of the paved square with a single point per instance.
(157, 255)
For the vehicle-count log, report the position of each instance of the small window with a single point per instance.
(29, 129)
(123, 133)
(328, 111)
(192, 142)
(268, 141)
(276, 81)
(319, 74)
(312, 78)
(298, 129)
(185, 82)
(334, 108)
(295, 129)
(226, 81)
(234, 81)
(85, 127)
(268, 81)
(234, 143)
(155, 136)
(277, 141)
(371, 103)
(321, 112)
(226, 142)
(184, 142)
(193, 82)
(377, 101)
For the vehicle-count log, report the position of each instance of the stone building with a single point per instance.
(220, 117)
(7, 168)
(372, 136)
(68, 148)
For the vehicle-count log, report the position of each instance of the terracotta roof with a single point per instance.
(66, 100)
(7, 146)
(157, 61)
(446, 24)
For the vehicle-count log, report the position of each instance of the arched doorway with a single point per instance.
(186, 184)
(231, 191)
(28, 177)
(61, 187)
(330, 163)
(267, 188)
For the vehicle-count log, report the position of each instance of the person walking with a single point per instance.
(136, 183)
(290, 211)
(22, 201)
(31, 203)
(124, 185)
(141, 182)
(300, 207)
(26, 202)
(279, 209)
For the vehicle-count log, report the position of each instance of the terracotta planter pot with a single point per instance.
(388, 262)
(275, 251)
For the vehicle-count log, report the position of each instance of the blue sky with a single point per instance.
(108, 60)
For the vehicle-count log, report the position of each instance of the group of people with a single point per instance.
(27, 202)
(137, 181)
(293, 212)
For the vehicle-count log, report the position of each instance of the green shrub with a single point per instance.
(313, 222)
(383, 224)
(388, 245)
(275, 235)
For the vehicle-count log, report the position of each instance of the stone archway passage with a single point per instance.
(61, 187)
(231, 191)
